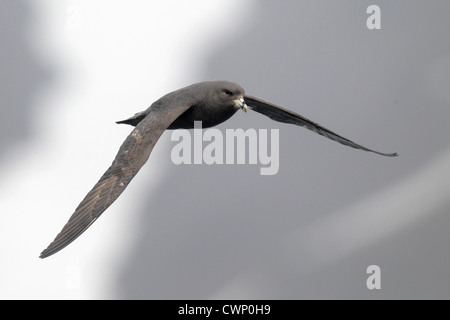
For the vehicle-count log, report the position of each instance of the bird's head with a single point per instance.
(232, 94)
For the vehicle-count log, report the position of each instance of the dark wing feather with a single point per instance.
(284, 115)
(132, 155)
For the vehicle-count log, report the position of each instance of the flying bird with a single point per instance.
(211, 102)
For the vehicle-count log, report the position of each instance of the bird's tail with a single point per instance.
(134, 120)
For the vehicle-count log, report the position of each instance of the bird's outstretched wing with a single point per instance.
(132, 155)
(284, 115)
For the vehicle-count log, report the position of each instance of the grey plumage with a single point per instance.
(211, 102)
(287, 116)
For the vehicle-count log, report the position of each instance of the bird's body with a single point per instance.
(206, 105)
(211, 102)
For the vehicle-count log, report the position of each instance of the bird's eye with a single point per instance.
(228, 92)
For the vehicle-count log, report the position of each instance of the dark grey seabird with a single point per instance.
(211, 102)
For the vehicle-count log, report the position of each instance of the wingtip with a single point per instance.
(393, 154)
(49, 251)
(44, 254)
